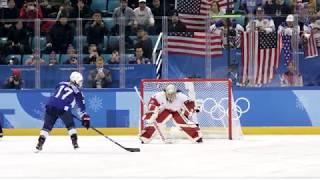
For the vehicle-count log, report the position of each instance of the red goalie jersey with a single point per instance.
(166, 105)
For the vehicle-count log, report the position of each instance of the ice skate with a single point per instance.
(41, 141)
(199, 141)
(74, 140)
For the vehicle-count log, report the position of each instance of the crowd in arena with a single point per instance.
(57, 31)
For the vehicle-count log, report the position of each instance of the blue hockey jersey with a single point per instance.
(66, 96)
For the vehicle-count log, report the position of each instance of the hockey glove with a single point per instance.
(85, 120)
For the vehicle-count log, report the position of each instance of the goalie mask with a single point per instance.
(76, 78)
(171, 92)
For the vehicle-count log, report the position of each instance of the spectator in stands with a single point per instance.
(215, 10)
(19, 3)
(291, 77)
(144, 41)
(72, 56)
(129, 18)
(74, 2)
(65, 8)
(310, 15)
(96, 30)
(12, 12)
(157, 11)
(93, 54)
(34, 59)
(139, 58)
(313, 28)
(288, 27)
(53, 60)
(18, 40)
(14, 81)
(81, 10)
(243, 5)
(262, 23)
(175, 25)
(101, 76)
(235, 31)
(115, 58)
(278, 9)
(30, 10)
(144, 15)
(60, 36)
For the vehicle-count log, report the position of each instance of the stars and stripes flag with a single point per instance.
(194, 43)
(287, 48)
(310, 47)
(265, 58)
(194, 13)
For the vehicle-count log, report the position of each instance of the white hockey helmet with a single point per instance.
(76, 78)
(171, 92)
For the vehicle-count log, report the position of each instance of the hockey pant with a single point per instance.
(191, 130)
(50, 118)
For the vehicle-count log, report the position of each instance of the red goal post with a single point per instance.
(213, 96)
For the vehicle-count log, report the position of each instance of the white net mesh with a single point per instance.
(211, 96)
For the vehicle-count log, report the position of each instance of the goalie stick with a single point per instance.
(154, 123)
(115, 142)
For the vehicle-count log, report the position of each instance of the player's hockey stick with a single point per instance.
(99, 132)
(154, 123)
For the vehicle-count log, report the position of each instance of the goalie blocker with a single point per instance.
(170, 104)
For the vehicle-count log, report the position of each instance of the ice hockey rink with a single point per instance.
(253, 157)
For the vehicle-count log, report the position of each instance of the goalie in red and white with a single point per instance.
(166, 105)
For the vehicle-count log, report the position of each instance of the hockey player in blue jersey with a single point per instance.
(64, 98)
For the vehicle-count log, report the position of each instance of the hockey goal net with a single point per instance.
(214, 97)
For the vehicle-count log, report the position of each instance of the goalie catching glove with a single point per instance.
(85, 118)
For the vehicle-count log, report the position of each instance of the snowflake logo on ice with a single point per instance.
(95, 103)
(299, 104)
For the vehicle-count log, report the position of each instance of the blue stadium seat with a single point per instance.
(99, 5)
(134, 39)
(63, 58)
(18, 56)
(45, 57)
(105, 42)
(154, 41)
(128, 57)
(106, 57)
(113, 41)
(43, 42)
(112, 4)
(25, 57)
(3, 40)
(109, 23)
(77, 39)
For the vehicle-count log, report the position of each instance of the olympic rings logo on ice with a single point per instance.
(218, 110)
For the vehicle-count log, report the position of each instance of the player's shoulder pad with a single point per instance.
(74, 88)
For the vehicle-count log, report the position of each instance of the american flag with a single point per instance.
(265, 56)
(224, 4)
(195, 43)
(287, 48)
(310, 47)
(194, 13)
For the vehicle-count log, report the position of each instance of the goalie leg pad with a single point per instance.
(163, 116)
(147, 134)
(191, 130)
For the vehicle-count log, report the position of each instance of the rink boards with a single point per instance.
(117, 111)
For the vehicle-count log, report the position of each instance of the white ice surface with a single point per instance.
(254, 157)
